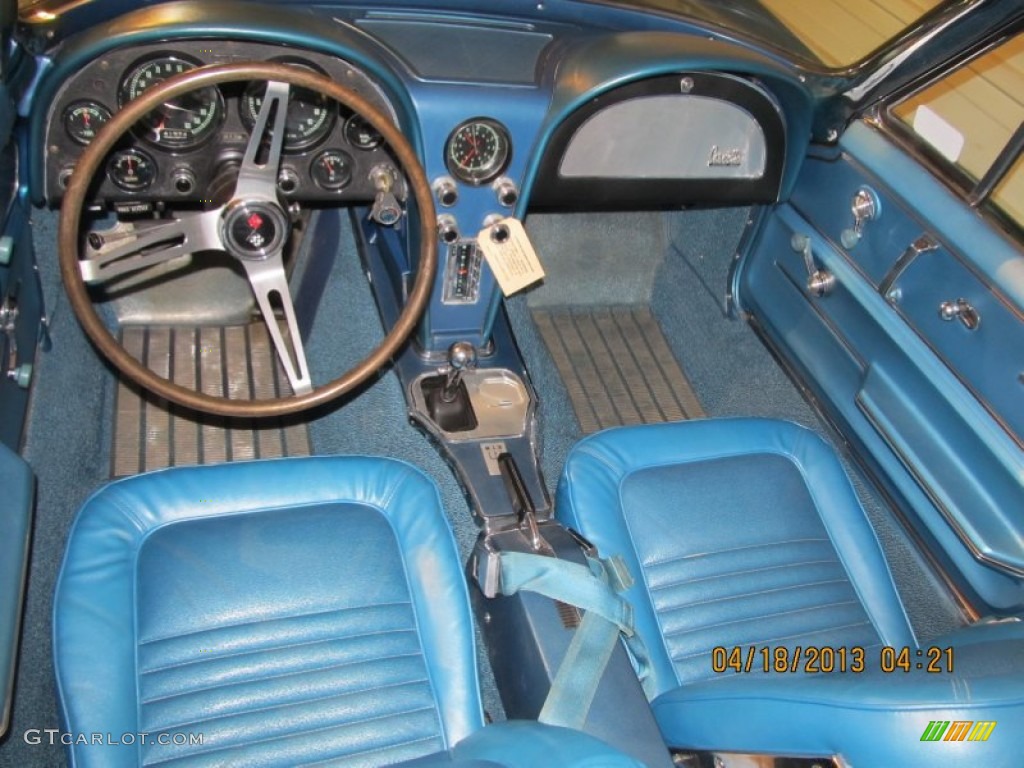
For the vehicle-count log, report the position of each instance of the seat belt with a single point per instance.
(595, 588)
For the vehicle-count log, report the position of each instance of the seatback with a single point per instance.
(741, 532)
(295, 610)
(772, 621)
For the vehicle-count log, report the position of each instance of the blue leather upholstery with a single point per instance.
(288, 611)
(747, 533)
(15, 530)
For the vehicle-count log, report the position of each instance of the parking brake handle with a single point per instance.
(522, 504)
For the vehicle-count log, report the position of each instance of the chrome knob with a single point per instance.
(447, 228)
(287, 181)
(184, 181)
(462, 356)
(446, 191)
(506, 191)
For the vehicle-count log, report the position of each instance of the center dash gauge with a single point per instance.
(478, 150)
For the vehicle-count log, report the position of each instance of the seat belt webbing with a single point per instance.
(595, 590)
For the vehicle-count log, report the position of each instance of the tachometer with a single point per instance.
(180, 123)
(478, 150)
(310, 114)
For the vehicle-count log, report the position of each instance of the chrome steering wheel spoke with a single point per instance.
(267, 278)
(154, 245)
(257, 178)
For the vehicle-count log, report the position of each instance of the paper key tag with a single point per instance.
(508, 250)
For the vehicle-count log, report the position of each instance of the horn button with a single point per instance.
(254, 230)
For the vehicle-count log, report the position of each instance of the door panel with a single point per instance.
(21, 300)
(21, 310)
(934, 407)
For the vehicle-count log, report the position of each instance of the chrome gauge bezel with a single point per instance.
(493, 145)
(77, 107)
(361, 135)
(330, 182)
(141, 181)
(249, 111)
(188, 138)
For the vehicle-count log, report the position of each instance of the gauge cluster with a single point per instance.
(183, 150)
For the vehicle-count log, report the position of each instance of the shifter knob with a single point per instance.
(461, 358)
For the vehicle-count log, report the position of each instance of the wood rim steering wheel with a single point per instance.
(253, 227)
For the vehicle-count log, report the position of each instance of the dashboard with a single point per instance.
(186, 150)
(508, 114)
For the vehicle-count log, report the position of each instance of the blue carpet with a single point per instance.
(614, 255)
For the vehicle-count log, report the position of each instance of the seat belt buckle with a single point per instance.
(485, 565)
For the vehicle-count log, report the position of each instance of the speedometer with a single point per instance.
(182, 122)
(478, 150)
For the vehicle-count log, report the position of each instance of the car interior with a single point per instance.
(506, 383)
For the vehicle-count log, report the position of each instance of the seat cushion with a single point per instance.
(741, 532)
(287, 612)
(871, 717)
(747, 534)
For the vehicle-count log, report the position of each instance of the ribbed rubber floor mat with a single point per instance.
(149, 433)
(617, 366)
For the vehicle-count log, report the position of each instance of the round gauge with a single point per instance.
(180, 123)
(83, 119)
(478, 150)
(131, 169)
(332, 169)
(310, 115)
(361, 134)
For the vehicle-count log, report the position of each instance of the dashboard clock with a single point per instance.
(478, 150)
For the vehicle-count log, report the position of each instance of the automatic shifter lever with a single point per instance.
(446, 396)
(461, 358)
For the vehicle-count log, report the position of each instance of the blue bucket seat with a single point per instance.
(277, 613)
(746, 534)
